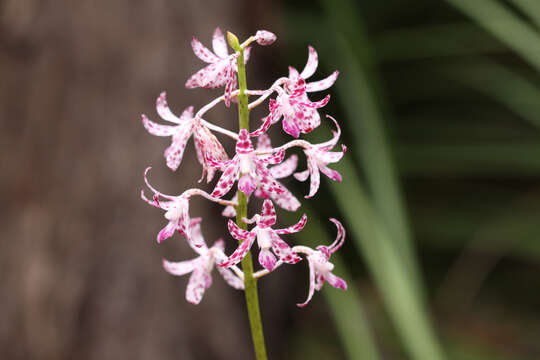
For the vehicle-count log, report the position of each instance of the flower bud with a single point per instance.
(233, 41)
(264, 37)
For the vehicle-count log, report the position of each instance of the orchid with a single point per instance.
(202, 266)
(285, 199)
(298, 112)
(249, 166)
(318, 158)
(267, 238)
(176, 211)
(205, 142)
(253, 171)
(320, 267)
(222, 69)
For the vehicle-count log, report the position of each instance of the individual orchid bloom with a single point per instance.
(176, 211)
(267, 238)
(202, 266)
(318, 158)
(320, 267)
(222, 67)
(299, 113)
(249, 168)
(286, 199)
(185, 126)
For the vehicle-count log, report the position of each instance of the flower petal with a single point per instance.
(199, 281)
(263, 142)
(237, 233)
(219, 44)
(283, 251)
(314, 176)
(286, 200)
(179, 268)
(335, 281)
(302, 175)
(267, 183)
(311, 285)
(203, 52)
(322, 84)
(332, 174)
(290, 127)
(268, 214)
(247, 184)
(286, 168)
(340, 237)
(240, 252)
(275, 158)
(317, 104)
(212, 76)
(157, 129)
(293, 228)
(196, 240)
(312, 63)
(164, 111)
(166, 232)
(208, 145)
(227, 179)
(231, 278)
(267, 121)
(174, 153)
(267, 259)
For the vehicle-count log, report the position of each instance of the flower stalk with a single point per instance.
(250, 283)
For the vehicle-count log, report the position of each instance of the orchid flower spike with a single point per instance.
(267, 238)
(202, 266)
(320, 267)
(285, 199)
(299, 113)
(318, 158)
(185, 126)
(249, 166)
(222, 69)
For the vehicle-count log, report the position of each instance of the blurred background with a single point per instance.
(440, 106)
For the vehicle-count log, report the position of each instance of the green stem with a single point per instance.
(250, 283)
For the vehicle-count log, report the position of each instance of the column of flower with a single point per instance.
(254, 171)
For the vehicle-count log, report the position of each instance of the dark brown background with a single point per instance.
(80, 270)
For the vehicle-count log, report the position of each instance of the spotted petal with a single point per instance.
(199, 281)
(294, 228)
(157, 129)
(322, 84)
(311, 65)
(311, 285)
(219, 44)
(283, 251)
(268, 214)
(179, 268)
(227, 179)
(284, 169)
(202, 51)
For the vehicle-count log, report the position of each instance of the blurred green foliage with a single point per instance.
(440, 103)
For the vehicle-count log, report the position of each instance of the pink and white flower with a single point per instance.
(320, 267)
(177, 211)
(250, 167)
(267, 238)
(318, 158)
(185, 126)
(202, 266)
(222, 69)
(298, 112)
(286, 199)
